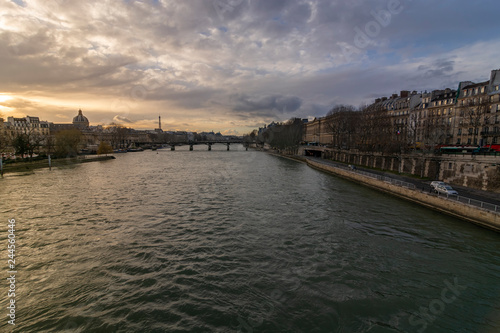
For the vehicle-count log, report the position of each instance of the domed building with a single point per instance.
(80, 121)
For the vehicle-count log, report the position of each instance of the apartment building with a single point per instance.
(26, 125)
(478, 112)
(469, 115)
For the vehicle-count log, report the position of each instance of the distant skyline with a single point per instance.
(233, 65)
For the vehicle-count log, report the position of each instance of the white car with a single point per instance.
(446, 189)
(435, 183)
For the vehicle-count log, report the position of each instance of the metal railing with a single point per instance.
(472, 202)
(387, 179)
(393, 181)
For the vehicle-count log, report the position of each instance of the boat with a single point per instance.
(135, 149)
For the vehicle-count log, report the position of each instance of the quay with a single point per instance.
(39, 164)
(488, 218)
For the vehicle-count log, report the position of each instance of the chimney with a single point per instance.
(394, 96)
(405, 93)
(495, 77)
(384, 99)
(378, 100)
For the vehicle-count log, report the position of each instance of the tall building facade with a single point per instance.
(468, 115)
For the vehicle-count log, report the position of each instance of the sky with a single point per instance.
(233, 65)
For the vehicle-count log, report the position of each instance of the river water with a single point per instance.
(228, 241)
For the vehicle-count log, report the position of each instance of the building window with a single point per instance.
(450, 165)
(459, 131)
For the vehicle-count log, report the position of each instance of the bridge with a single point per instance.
(207, 143)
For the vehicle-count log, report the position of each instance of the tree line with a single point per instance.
(285, 137)
(64, 143)
(371, 128)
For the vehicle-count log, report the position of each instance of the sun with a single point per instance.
(4, 98)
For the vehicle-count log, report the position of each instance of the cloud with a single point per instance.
(222, 61)
(120, 119)
(21, 103)
(440, 67)
(230, 132)
(278, 103)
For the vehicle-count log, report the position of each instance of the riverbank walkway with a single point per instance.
(478, 198)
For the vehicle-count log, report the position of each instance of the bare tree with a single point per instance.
(436, 130)
(476, 114)
(375, 130)
(412, 130)
(342, 122)
(118, 134)
(35, 141)
(4, 138)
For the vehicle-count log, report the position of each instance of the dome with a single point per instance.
(80, 120)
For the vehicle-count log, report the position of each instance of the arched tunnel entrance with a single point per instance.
(312, 152)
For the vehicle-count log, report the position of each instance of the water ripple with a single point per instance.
(237, 241)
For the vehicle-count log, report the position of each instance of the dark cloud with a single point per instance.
(311, 110)
(274, 104)
(440, 67)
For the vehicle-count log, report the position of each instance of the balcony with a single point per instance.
(490, 133)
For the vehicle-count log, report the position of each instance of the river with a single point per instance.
(228, 241)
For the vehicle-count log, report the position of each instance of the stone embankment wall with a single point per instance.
(463, 211)
(475, 171)
(32, 165)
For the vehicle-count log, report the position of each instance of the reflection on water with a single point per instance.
(238, 241)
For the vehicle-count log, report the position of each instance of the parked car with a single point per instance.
(446, 189)
(435, 183)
